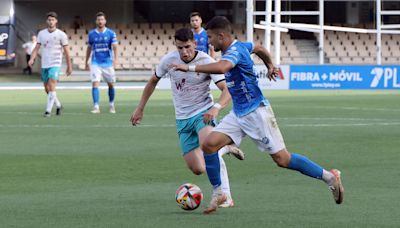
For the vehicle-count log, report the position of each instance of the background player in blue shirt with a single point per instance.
(252, 114)
(102, 45)
(200, 34)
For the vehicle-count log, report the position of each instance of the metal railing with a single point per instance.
(279, 27)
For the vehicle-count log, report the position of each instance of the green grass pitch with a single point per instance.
(85, 170)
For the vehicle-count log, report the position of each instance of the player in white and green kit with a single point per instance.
(53, 42)
(194, 107)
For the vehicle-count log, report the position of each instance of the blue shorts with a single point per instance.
(50, 73)
(188, 132)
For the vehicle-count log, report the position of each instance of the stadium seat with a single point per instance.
(141, 45)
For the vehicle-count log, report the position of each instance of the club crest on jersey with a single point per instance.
(230, 84)
(181, 84)
(265, 140)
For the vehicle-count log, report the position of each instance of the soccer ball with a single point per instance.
(188, 196)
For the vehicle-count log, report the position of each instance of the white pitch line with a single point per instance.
(342, 125)
(65, 87)
(160, 115)
(331, 118)
(81, 126)
(341, 107)
(71, 114)
(279, 118)
(172, 125)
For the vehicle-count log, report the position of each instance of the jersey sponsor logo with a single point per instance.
(101, 49)
(386, 74)
(3, 37)
(181, 84)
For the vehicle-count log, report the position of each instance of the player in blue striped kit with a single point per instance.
(252, 114)
(102, 45)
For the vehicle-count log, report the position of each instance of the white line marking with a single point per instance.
(341, 107)
(65, 87)
(279, 118)
(342, 125)
(172, 125)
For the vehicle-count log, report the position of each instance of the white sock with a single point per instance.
(50, 101)
(56, 101)
(224, 176)
(96, 106)
(111, 104)
(328, 177)
(224, 150)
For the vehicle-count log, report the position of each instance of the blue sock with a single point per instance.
(95, 95)
(305, 166)
(213, 169)
(111, 94)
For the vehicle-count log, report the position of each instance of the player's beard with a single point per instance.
(52, 26)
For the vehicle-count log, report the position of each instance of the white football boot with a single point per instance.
(337, 187)
(235, 151)
(218, 198)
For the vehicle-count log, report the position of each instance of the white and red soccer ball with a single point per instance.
(188, 196)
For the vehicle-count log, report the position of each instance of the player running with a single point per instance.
(194, 107)
(102, 45)
(252, 114)
(53, 41)
(200, 35)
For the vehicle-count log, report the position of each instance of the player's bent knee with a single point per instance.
(210, 145)
(282, 158)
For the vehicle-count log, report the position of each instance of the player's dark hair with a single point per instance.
(184, 34)
(100, 14)
(219, 23)
(193, 14)
(52, 14)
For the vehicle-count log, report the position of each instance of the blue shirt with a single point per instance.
(201, 39)
(101, 44)
(241, 80)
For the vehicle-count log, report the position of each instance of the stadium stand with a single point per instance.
(141, 45)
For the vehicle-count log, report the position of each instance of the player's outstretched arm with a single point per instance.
(219, 67)
(68, 59)
(34, 54)
(137, 115)
(223, 101)
(265, 56)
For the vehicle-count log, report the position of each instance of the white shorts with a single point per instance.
(97, 72)
(260, 125)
